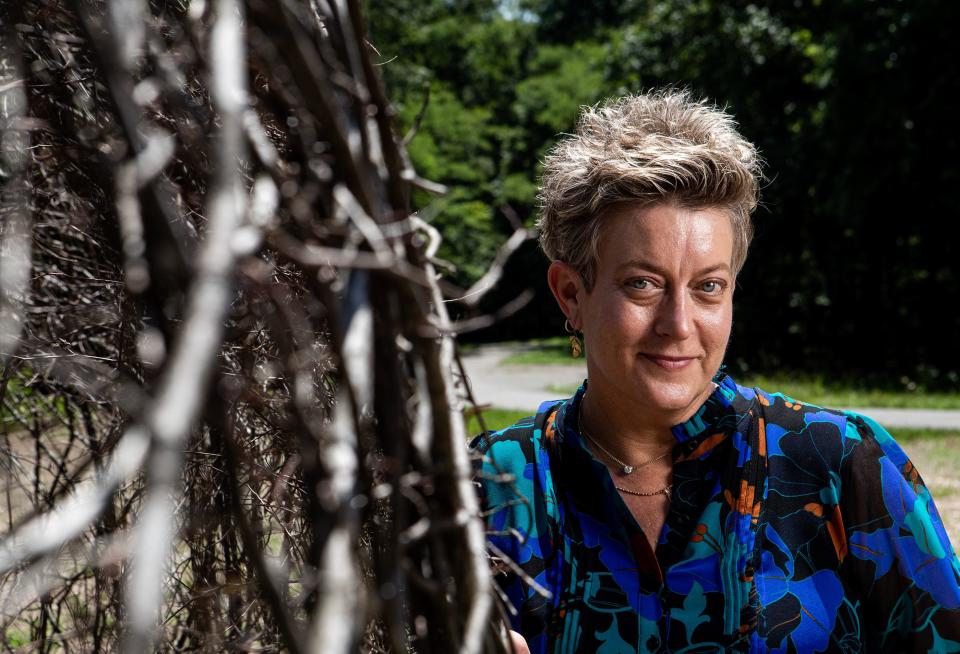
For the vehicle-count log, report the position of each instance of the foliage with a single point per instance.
(852, 267)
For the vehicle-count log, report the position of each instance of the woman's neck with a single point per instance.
(632, 441)
(627, 430)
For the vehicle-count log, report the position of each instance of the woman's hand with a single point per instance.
(519, 643)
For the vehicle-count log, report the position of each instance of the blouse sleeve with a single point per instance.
(899, 562)
(518, 522)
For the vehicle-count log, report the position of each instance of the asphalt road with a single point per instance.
(524, 387)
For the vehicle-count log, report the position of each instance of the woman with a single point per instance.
(664, 507)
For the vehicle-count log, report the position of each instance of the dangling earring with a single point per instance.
(576, 346)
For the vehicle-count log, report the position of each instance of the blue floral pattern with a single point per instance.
(792, 528)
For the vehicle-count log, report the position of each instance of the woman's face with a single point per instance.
(657, 321)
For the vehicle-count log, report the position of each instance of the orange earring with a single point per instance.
(576, 345)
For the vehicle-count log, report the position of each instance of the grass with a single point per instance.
(813, 390)
(543, 351)
(494, 419)
(807, 388)
(907, 435)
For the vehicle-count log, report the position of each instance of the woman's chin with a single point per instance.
(674, 398)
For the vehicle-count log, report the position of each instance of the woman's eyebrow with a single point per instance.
(646, 265)
(714, 268)
(658, 270)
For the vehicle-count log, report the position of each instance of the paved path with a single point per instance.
(524, 387)
(516, 387)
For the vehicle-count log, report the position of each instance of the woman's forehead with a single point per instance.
(665, 238)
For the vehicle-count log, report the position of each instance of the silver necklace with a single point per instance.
(625, 468)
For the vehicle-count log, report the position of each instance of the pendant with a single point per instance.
(627, 470)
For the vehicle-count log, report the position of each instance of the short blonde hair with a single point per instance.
(658, 147)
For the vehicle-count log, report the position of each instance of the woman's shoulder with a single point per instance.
(527, 431)
(521, 430)
(826, 428)
(780, 406)
(841, 448)
(515, 481)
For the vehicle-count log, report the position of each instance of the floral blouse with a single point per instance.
(791, 528)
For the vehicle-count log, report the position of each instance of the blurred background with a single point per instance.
(852, 276)
(297, 448)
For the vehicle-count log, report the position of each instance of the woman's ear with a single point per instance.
(568, 288)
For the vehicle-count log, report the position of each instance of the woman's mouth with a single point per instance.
(670, 363)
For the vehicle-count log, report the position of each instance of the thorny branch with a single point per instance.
(230, 418)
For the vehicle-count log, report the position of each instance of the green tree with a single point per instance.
(846, 101)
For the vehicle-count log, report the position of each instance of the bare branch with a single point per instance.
(232, 352)
(482, 286)
(182, 395)
(14, 218)
(418, 119)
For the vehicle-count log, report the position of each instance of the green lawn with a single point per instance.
(804, 387)
(499, 418)
(542, 351)
(816, 391)
(494, 419)
(908, 435)
(807, 388)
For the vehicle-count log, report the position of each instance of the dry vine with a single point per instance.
(229, 417)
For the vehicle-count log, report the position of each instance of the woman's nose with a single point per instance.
(673, 317)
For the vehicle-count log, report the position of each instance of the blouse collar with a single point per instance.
(716, 414)
(708, 418)
(713, 415)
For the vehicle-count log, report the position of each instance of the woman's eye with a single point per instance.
(711, 287)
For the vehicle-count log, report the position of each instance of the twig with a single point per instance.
(191, 363)
(415, 126)
(330, 359)
(482, 286)
(14, 220)
(292, 632)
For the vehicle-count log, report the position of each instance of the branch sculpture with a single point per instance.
(229, 410)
